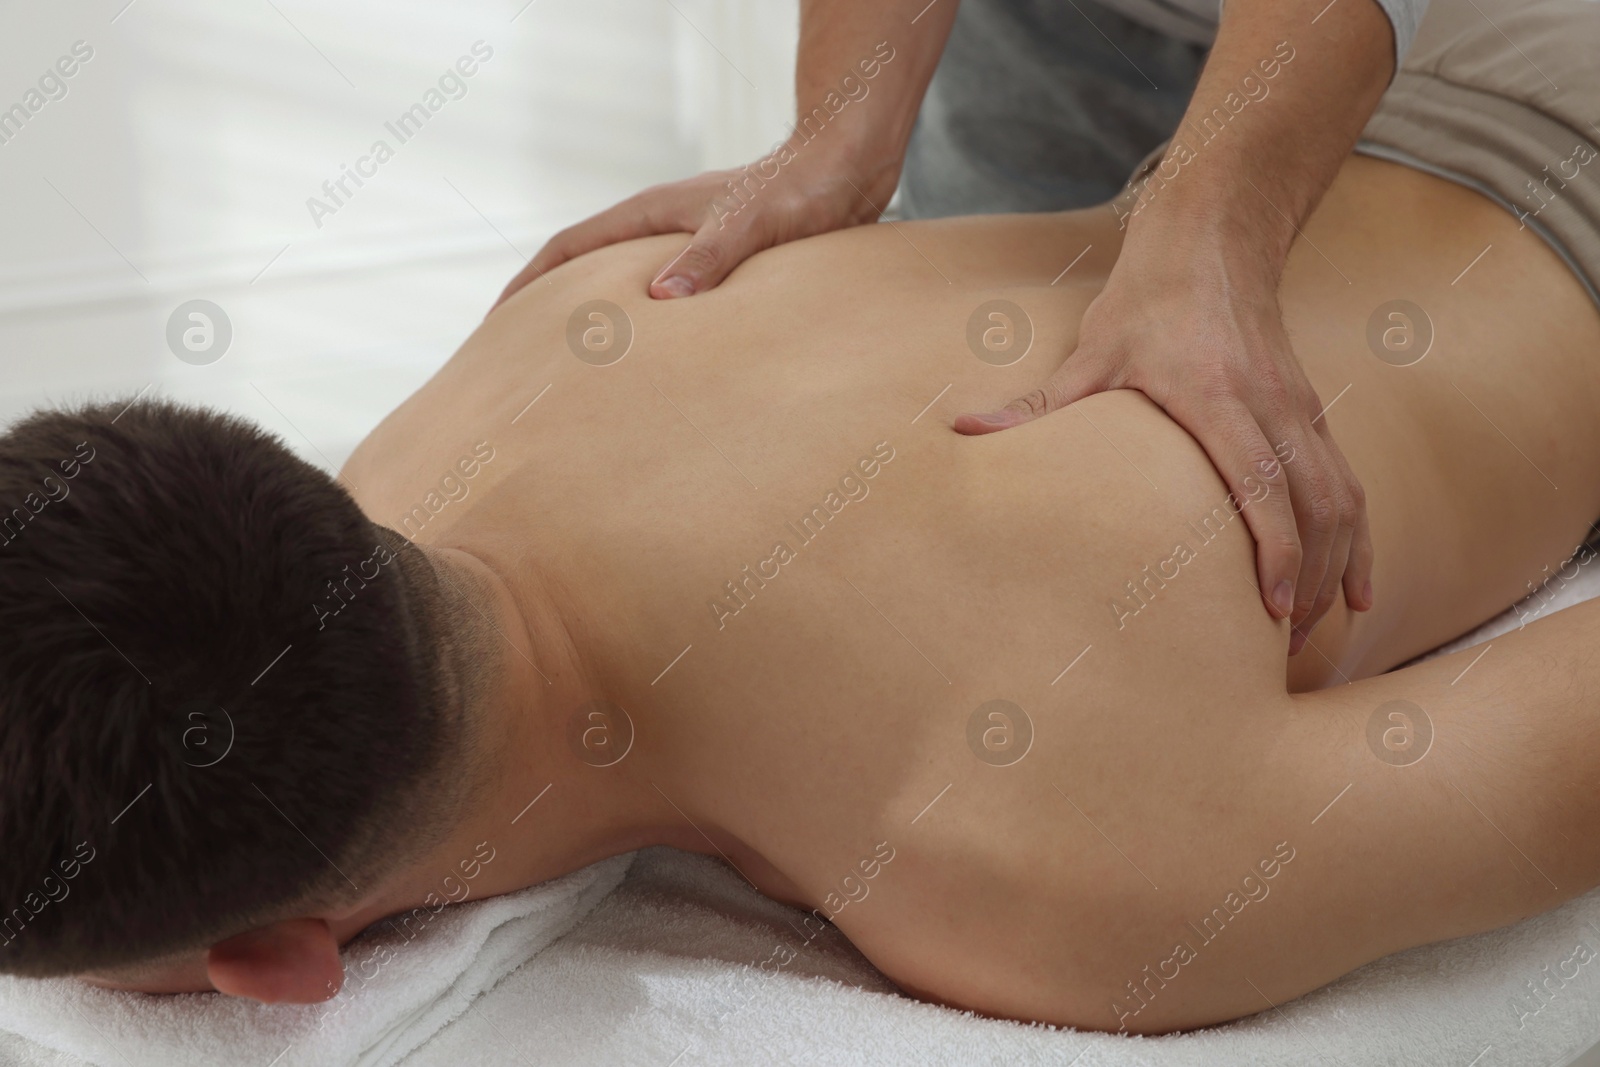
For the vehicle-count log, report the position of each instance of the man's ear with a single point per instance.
(291, 962)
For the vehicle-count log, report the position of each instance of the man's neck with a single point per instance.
(554, 798)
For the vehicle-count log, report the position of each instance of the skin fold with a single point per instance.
(1176, 753)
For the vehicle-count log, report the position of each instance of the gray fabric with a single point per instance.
(1503, 96)
(1041, 105)
(1196, 20)
(1404, 16)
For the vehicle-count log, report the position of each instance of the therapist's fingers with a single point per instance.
(1356, 578)
(1083, 374)
(1257, 473)
(717, 247)
(1358, 573)
(1329, 524)
(1314, 492)
(1354, 563)
(1332, 577)
(679, 208)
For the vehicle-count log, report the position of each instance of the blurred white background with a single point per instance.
(178, 165)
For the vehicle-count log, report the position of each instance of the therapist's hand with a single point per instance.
(1209, 346)
(733, 214)
(1189, 315)
(860, 73)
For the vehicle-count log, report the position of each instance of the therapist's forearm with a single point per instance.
(836, 38)
(1257, 172)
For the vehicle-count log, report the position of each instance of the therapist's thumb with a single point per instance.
(1066, 386)
(709, 258)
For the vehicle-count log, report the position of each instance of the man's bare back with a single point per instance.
(802, 595)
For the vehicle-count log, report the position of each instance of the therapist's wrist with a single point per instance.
(1199, 238)
(873, 171)
(1226, 196)
(1200, 270)
(865, 142)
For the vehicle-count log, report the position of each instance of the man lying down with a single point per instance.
(717, 574)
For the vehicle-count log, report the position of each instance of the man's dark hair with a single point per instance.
(212, 710)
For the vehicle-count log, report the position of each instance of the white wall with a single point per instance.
(738, 102)
(179, 163)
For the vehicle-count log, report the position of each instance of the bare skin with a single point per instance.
(826, 723)
(1189, 316)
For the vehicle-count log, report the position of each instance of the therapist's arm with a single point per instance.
(860, 75)
(1190, 315)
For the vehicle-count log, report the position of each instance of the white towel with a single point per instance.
(416, 987)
